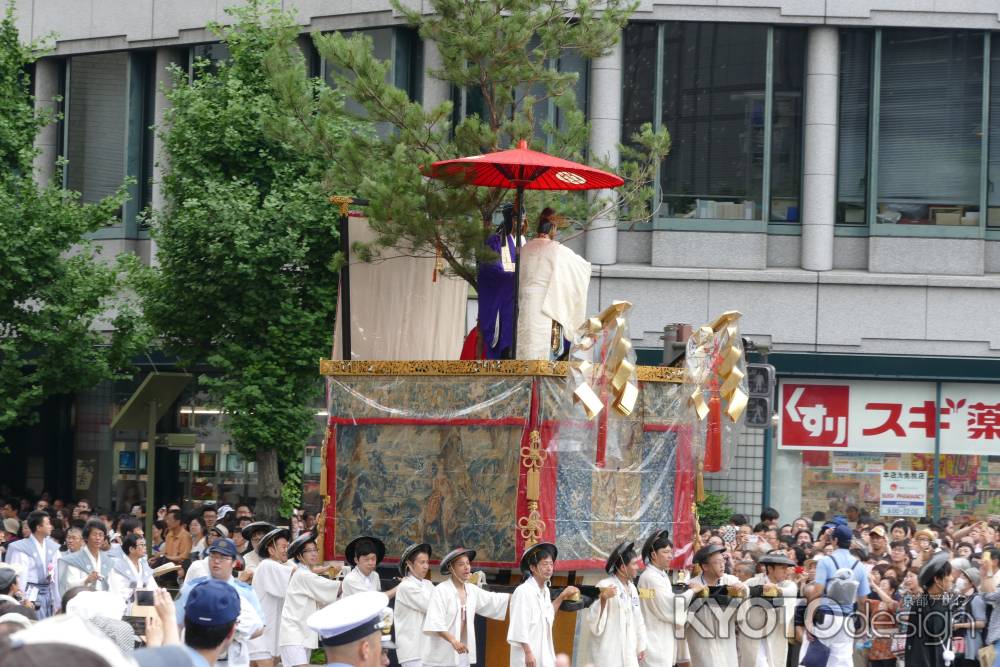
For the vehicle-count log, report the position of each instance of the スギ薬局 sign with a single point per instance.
(877, 416)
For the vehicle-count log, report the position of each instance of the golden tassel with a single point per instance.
(699, 484)
(696, 541)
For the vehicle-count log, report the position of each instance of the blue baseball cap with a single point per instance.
(224, 546)
(212, 602)
(843, 535)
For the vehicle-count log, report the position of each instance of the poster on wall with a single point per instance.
(903, 493)
(883, 416)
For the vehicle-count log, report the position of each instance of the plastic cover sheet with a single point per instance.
(716, 389)
(620, 478)
(445, 460)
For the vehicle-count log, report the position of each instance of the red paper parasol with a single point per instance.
(522, 169)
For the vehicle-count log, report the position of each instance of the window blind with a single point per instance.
(930, 117)
(852, 130)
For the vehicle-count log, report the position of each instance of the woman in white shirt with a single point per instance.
(199, 543)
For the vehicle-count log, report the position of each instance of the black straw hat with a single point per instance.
(617, 557)
(350, 553)
(410, 553)
(256, 527)
(298, 545)
(702, 555)
(266, 541)
(452, 555)
(535, 552)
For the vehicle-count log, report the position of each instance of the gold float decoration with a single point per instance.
(533, 458)
(614, 368)
(488, 368)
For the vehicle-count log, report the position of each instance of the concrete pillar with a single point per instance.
(165, 57)
(605, 133)
(819, 174)
(435, 90)
(47, 142)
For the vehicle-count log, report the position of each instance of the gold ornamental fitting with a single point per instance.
(343, 202)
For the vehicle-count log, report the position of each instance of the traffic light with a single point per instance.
(760, 382)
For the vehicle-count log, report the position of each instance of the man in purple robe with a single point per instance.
(496, 291)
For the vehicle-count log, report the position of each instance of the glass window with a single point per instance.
(930, 127)
(714, 82)
(993, 182)
(638, 77)
(852, 130)
(786, 127)
(96, 120)
(214, 53)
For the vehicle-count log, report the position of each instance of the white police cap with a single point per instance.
(350, 619)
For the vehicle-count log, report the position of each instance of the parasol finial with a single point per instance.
(522, 144)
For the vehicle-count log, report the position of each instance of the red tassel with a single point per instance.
(713, 432)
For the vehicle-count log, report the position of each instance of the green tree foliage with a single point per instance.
(56, 293)
(502, 51)
(714, 510)
(247, 280)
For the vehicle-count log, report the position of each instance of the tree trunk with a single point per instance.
(268, 487)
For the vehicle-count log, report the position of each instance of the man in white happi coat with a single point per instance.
(553, 293)
(270, 583)
(364, 554)
(663, 611)
(413, 598)
(532, 609)
(711, 631)
(37, 554)
(618, 631)
(308, 591)
(771, 605)
(449, 624)
(253, 533)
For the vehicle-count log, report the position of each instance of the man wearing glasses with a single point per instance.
(222, 558)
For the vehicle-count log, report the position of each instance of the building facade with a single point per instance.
(834, 175)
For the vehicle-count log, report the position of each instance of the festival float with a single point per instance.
(498, 455)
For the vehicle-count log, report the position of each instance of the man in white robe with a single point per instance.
(532, 609)
(364, 554)
(449, 624)
(553, 290)
(89, 566)
(131, 572)
(308, 592)
(37, 554)
(663, 611)
(413, 598)
(711, 631)
(776, 609)
(615, 623)
(270, 583)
